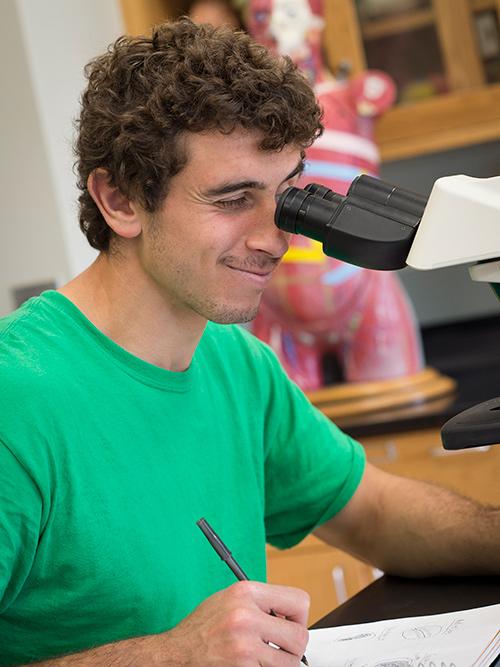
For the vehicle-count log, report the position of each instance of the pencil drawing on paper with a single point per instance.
(454, 639)
(422, 632)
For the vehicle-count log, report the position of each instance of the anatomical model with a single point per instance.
(317, 307)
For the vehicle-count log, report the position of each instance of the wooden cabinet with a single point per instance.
(445, 58)
(329, 575)
(452, 102)
(474, 472)
(140, 15)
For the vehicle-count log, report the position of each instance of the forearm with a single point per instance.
(416, 529)
(136, 652)
(426, 530)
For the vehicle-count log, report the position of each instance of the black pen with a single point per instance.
(227, 557)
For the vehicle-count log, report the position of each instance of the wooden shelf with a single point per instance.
(483, 5)
(441, 123)
(420, 18)
(376, 28)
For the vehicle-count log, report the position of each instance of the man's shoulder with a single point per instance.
(33, 374)
(10, 322)
(25, 345)
(15, 338)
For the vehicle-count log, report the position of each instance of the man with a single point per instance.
(130, 410)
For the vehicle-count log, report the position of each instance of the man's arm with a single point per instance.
(127, 653)
(416, 529)
(232, 627)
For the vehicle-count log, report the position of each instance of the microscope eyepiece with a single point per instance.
(287, 208)
(302, 212)
(372, 226)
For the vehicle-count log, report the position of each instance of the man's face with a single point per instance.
(213, 245)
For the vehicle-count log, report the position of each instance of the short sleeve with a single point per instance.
(20, 519)
(312, 468)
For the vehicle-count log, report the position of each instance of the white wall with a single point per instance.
(31, 248)
(44, 45)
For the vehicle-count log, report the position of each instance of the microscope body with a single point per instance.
(381, 226)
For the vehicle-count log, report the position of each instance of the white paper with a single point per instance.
(468, 638)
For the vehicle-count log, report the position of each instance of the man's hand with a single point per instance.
(233, 628)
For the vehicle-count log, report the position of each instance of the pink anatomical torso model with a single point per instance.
(315, 306)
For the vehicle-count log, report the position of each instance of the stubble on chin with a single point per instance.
(232, 316)
(227, 313)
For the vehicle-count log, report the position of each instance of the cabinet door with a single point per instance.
(329, 576)
(445, 58)
(429, 47)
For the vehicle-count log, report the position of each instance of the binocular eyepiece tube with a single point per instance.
(373, 226)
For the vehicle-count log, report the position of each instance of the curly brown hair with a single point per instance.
(143, 93)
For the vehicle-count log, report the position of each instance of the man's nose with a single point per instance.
(263, 233)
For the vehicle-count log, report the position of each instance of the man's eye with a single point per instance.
(241, 202)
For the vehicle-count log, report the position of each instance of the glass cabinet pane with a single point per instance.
(400, 37)
(487, 29)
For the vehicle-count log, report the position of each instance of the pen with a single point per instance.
(227, 557)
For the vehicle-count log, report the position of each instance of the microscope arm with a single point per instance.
(461, 225)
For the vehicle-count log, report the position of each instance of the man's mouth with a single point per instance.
(255, 272)
(260, 268)
(260, 275)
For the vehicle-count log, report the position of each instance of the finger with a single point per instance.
(287, 635)
(273, 657)
(292, 603)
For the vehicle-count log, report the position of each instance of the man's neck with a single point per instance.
(128, 307)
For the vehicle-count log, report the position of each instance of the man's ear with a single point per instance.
(120, 213)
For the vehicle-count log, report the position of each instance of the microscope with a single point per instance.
(380, 226)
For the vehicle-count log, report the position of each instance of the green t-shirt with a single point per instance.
(107, 462)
